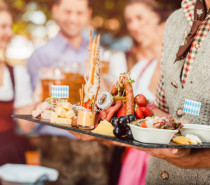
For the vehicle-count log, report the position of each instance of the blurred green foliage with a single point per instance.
(105, 9)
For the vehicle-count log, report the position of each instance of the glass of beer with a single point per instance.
(50, 76)
(73, 77)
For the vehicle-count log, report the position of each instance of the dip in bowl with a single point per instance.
(202, 131)
(152, 135)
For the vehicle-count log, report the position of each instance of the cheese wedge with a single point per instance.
(104, 128)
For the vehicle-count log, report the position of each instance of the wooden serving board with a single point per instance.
(124, 140)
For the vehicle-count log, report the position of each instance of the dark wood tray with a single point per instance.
(126, 141)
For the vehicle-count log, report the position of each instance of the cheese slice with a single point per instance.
(104, 128)
(182, 140)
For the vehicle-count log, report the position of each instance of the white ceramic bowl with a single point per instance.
(152, 135)
(202, 131)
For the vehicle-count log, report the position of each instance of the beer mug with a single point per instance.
(50, 76)
(73, 77)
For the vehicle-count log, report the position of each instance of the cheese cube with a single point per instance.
(53, 117)
(63, 121)
(65, 105)
(70, 114)
(60, 111)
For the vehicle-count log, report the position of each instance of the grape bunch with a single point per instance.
(121, 127)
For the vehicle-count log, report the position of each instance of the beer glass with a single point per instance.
(50, 76)
(73, 77)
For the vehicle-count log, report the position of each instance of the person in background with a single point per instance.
(145, 23)
(76, 161)
(69, 45)
(15, 97)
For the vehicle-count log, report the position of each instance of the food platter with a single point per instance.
(122, 140)
(116, 114)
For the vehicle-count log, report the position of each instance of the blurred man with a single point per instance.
(69, 45)
(75, 160)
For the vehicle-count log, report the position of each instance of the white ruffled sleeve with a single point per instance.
(118, 64)
(23, 91)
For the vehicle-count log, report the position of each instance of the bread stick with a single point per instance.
(93, 62)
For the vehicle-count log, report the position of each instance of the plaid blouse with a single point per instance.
(188, 8)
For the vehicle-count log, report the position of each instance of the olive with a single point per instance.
(131, 118)
(129, 134)
(117, 132)
(127, 119)
(125, 129)
(122, 122)
(114, 121)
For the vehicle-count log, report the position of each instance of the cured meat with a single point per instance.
(129, 98)
(41, 107)
(114, 109)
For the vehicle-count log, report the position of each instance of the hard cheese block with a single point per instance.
(104, 128)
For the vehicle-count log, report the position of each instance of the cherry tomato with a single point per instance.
(88, 106)
(138, 113)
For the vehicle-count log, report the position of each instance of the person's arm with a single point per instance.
(23, 97)
(183, 158)
(196, 159)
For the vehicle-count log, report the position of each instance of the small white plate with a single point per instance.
(202, 131)
(152, 135)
